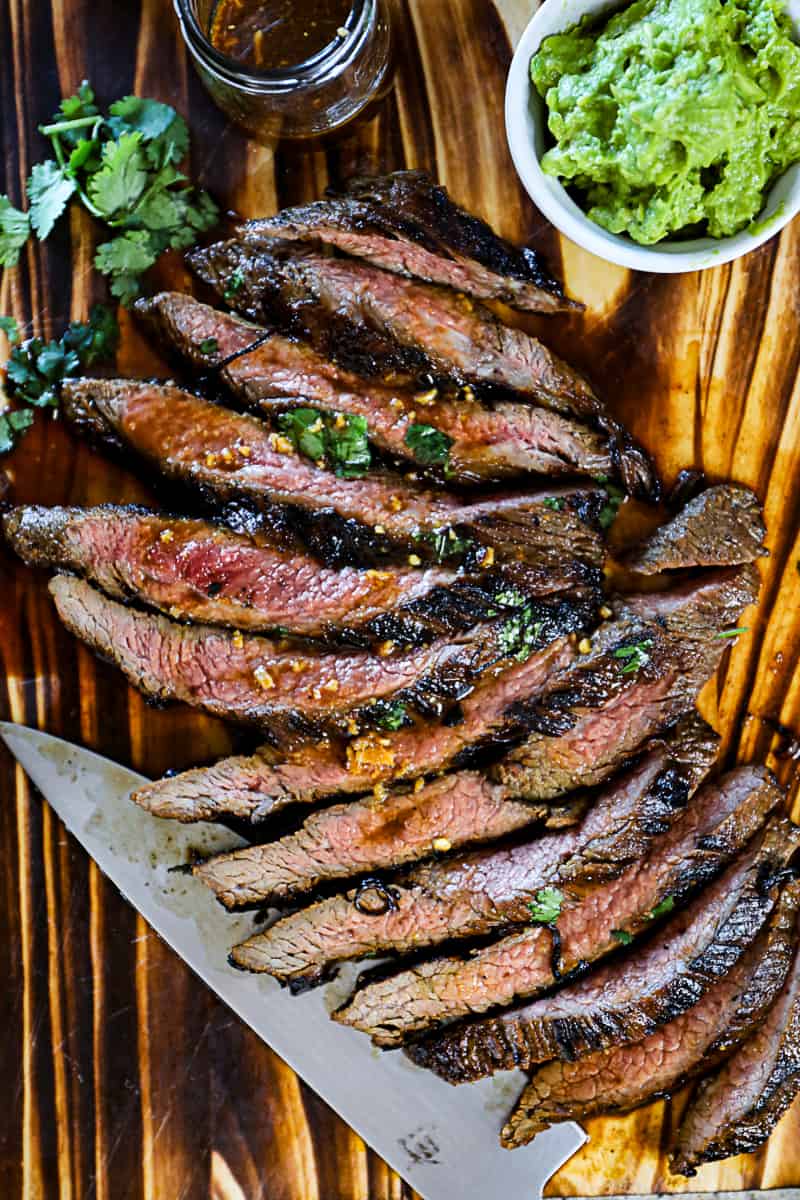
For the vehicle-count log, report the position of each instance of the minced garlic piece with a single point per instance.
(237, 639)
(245, 451)
(442, 844)
(380, 792)
(263, 679)
(341, 421)
(166, 535)
(419, 784)
(414, 560)
(380, 529)
(487, 558)
(331, 686)
(426, 397)
(584, 646)
(211, 460)
(371, 573)
(280, 443)
(367, 753)
(395, 504)
(298, 666)
(386, 648)
(606, 612)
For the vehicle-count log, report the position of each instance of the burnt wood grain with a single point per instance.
(125, 1079)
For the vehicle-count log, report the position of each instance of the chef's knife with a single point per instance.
(441, 1139)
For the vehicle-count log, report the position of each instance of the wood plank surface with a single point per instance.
(127, 1080)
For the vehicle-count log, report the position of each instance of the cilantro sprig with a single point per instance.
(545, 908)
(428, 445)
(339, 440)
(633, 657)
(122, 166)
(36, 369)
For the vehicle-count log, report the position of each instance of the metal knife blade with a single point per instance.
(442, 1140)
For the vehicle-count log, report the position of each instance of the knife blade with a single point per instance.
(442, 1140)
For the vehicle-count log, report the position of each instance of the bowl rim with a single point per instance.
(554, 202)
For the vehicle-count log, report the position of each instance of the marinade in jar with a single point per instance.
(269, 35)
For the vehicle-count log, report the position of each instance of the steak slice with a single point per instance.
(624, 1077)
(234, 456)
(251, 680)
(642, 672)
(255, 786)
(373, 323)
(407, 223)
(723, 526)
(197, 570)
(270, 373)
(699, 843)
(373, 833)
(736, 1109)
(634, 994)
(476, 894)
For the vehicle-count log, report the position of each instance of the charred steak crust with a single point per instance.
(701, 841)
(736, 1109)
(269, 373)
(636, 992)
(408, 223)
(625, 1077)
(723, 526)
(478, 893)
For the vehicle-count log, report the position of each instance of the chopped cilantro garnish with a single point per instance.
(209, 346)
(393, 717)
(519, 634)
(634, 657)
(545, 908)
(234, 285)
(556, 503)
(446, 543)
(614, 497)
(121, 167)
(429, 446)
(35, 369)
(340, 440)
(732, 633)
(661, 910)
(622, 936)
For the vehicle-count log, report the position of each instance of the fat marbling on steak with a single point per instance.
(406, 222)
(478, 893)
(269, 373)
(701, 840)
(373, 322)
(624, 1077)
(635, 992)
(736, 1109)
(233, 456)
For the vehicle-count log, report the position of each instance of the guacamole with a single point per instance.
(673, 116)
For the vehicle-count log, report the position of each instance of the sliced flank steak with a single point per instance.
(701, 840)
(474, 895)
(735, 1110)
(373, 322)
(252, 680)
(641, 672)
(271, 373)
(406, 222)
(255, 786)
(723, 526)
(627, 999)
(624, 1077)
(232, 456)
(367, 835)
(200, 571)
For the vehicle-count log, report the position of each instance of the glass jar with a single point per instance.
(314, 97)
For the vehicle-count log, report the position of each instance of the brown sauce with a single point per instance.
(270, 35)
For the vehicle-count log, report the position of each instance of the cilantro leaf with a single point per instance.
(305, 429)
(124, 258)
(661, 910)
(519, 634)
(95, 340)
(234, 285)
(614, 497)
(732, 633)
(209, 346)
(555, 503)
(429, 445)
(545, 908)
(132, 114)
(49, 191)
(447, 543)
(10, 328)
(12, 424)
(348, 446)
(15, 229)
(122, 177)
(393, 717)
(633, 657)
(622, 936)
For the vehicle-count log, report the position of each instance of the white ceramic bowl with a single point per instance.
(526, 118)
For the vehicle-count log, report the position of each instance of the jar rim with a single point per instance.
(328, 57)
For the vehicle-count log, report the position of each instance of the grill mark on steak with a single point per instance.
(252, 680)
(735, 1110)
(624, 1077)
(372, 323)
(473, 895)
(494, 443)
(677, 632)
(699, 843)
(198, 570)
(723, 526)
(636, 992)
(405, 222)
(255, 786)
(200, 443)
(369, 835)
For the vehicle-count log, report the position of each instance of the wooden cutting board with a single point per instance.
(125, 1079)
